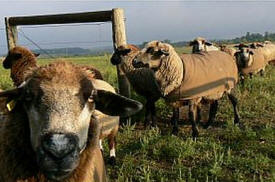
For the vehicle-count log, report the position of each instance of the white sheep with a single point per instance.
(200, 44)
(191, 78)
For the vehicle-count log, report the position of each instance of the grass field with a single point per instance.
(221, 153)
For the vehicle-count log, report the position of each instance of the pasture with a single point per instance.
(223, 152)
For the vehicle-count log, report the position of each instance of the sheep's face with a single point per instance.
(199, 45)
(59, 118)
(59, 109)
(244, 58)
(151, 56)
(124, 54)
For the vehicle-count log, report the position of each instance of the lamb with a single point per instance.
(200, 44)
(191, 78)
(146, 87)
(250, 62)
(21, 60)
(52, 133)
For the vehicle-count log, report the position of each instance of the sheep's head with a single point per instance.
(256, 45)
(16, 54)
(124, 54)
(151, 56)
(244, 56)
(199, 44)
(59, 100)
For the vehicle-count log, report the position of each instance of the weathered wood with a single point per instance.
(119, 38)
(100, 16)
(12, 35)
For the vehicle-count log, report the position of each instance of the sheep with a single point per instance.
(146, 87)
(267, 49)
(191, 78)
(200, 44)
(52, 133)
(250, 62)
(21, 60)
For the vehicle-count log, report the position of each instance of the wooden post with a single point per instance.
(11, 31)
(119, 38)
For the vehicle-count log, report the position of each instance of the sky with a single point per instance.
(176, 20)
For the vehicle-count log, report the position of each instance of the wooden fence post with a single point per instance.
(11, 31)
(119, 38)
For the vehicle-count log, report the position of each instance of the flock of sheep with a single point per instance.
(53, 122)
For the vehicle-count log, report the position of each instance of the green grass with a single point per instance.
(221, 153)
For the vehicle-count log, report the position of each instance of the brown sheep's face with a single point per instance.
(151, 56)
(59, 114)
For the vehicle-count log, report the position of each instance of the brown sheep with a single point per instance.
(51, 134)
(142, 80)
(21, 60)
(191, 78)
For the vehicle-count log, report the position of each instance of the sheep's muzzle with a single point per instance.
(58, 155)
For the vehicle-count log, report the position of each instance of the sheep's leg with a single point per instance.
(100, 145)
(234, 102)
(147, 113)
(112, 143)
(153, 113)
(212, 113)
(192, 118)
(174, 121)
(198, 114)
(262, 72)
(250, 75)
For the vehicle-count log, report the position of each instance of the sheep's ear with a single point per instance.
(260, 45)
(11, 94)
(150, 50)
(17, 56)
(162, 52)
(124, 52)
(251, 52)
(36, 54)
(116, 105)
(208, 44)
(191, 43)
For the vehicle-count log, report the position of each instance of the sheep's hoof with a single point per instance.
(205, 126)
(112, 161)
(175, 131)
(195, 134)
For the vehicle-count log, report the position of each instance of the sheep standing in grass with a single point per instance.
(52, 134)
(250, 62)
(21, 60)
(200, 44)
(191, 78)
(142, 79)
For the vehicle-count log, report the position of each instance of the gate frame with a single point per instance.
(116, 16)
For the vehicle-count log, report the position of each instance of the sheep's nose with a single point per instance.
(59, 145)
